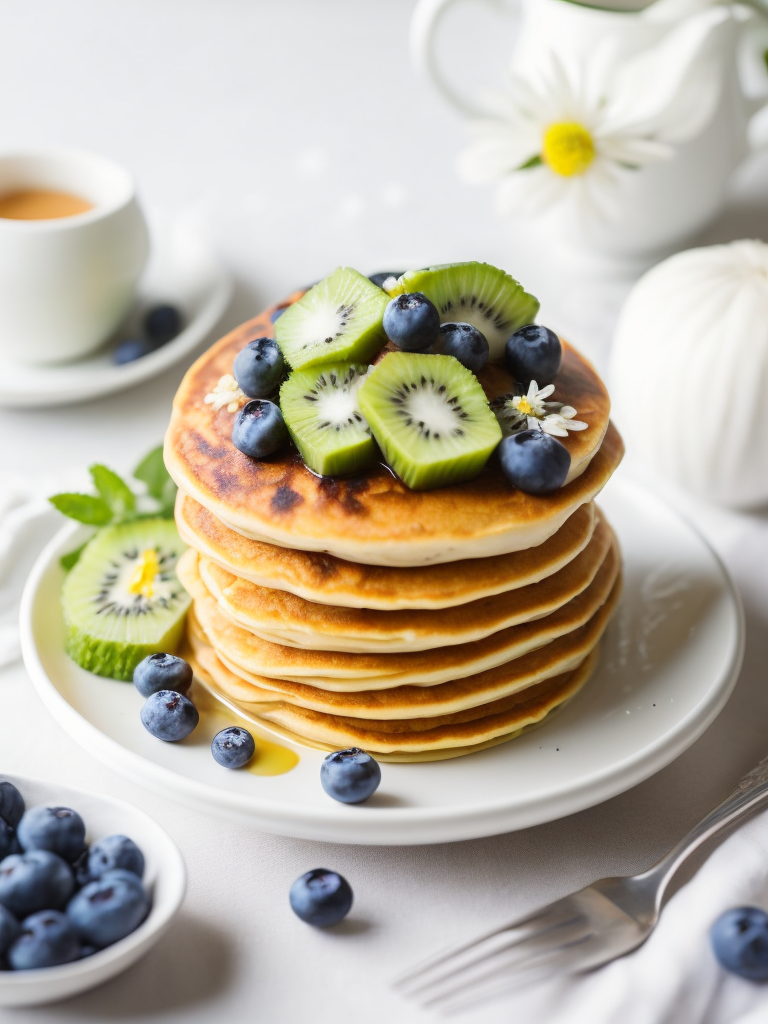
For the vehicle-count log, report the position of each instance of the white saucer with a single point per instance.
(182, 271)
(669, 661)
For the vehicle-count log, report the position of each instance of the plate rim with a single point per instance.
(341, 824)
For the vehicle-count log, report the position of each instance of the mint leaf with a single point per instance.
(151, 470)
(114, 491)
(85, 508)
(765, 58)
(71, 558)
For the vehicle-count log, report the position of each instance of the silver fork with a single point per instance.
(576, 933)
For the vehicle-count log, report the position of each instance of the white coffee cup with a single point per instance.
(67, 283)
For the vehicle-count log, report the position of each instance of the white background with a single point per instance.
(296, 136)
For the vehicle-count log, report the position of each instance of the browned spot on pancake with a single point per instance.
(211, 451)
(284, 499)
(345, 492)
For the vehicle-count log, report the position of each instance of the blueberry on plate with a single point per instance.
(412, 322)
(58, 829)
(259, 429)
(233, 747)
(162, 672)
(465, 343)
(533, 353)
(9, 842)
(11, 803)
(259, 367)
(321, 897)
(161, 324)
(113, 852)
(131, 349)
(169, 716)
(108, 908)
(739, 939)
(534, 461)
(45, 940)
(382, 276)
(350, 776)
(34, 881)
(9, 929)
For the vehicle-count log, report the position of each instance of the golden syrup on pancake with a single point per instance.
(270, 758)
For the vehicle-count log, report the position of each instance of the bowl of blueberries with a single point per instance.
(88, 884)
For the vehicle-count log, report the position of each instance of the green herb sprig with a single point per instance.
(115, 501)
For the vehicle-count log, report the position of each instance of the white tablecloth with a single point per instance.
(299, 137)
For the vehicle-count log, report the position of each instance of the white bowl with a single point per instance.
(165, 878)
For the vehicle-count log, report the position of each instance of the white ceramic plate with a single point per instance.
(182, 271)
(164, 877)
(669, 662)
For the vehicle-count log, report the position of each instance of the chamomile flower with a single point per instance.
(532, 411)
(226, 393)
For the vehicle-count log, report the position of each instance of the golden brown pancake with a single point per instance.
(406, 702)
(373, 518)
(283, 618)
(373, 671)
(414, 740)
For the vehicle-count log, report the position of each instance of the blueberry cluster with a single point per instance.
(169, 714)
(161, 324)
(259, 429)
(60, 899)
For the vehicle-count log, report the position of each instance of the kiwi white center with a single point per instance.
(323, 324)
(142, 581)
(428, 408)
(336, 405)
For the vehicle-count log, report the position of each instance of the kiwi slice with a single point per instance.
(339, 320)
(474, 293)
(122, 600)
(430, 417)
(322, 413)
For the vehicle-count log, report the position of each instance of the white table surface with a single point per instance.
(297, 136)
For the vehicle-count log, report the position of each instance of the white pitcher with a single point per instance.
(662, 203)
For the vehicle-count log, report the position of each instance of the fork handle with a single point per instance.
(748, 796)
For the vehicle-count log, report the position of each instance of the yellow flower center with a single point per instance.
(143, 579)
(525, 407)
(568, 148)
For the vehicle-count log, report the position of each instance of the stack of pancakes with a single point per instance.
(416, 625)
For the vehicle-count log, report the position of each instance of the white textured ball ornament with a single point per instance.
(689, 374)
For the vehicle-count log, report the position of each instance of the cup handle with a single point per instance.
(426, 19)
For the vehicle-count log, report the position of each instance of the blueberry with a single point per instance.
(9, 929)
(259, 367)
(113, 852)
(108, 908)
(45, 940)
(130, 350)
(233, 747)
(259, 429)
(161, 324)
(534, 462)
(321, 897)
(162, 672)
(11, 803)
(80, 869)
(465, 343)
(9, 842)
(350, 776)
(277, 313)
(739, 939)
(411, 322)
(384, 275)
(58, 829)
(533, 353)
(169, 715)
(34, 881)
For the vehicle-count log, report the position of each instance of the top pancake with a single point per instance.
(373, 518)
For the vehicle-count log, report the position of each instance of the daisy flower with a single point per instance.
(532, 411)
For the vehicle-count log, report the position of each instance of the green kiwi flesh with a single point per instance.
(338, 320)
(475, 293)
(430, 417)
(321, 410)
(122, 600)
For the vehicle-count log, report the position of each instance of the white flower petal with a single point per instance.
(499, 153)
(529, 192)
